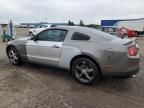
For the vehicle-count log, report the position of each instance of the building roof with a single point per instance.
(43, 23)
(114, 21)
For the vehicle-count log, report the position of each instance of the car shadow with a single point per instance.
(106, 84)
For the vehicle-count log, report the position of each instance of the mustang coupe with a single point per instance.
(88, 53)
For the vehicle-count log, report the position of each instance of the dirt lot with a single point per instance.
(32, 86)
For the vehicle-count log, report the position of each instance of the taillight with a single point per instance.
(132, 51)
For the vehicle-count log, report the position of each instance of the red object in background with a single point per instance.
(123, 32)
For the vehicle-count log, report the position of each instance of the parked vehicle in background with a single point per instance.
(31, 26)
(136, 25)
(88, 53)
(38, 29)
(21, 26)
(120, 32)
(110, 29)
(18, 26)
(126, 33)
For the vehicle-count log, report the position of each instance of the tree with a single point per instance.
(70, 23)
(81, 23)
(93, 26)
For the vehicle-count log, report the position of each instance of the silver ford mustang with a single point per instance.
(87, 53)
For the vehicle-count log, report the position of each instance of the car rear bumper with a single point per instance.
(131, 72)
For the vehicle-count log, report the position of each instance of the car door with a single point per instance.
(46, 48)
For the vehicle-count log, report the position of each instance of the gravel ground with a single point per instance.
(33, 86)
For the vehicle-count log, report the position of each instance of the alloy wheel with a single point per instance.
(13, 56)
(84, 71)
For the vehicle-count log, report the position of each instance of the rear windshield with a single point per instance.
(101, 35)
(104, 35)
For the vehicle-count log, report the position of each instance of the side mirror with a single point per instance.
(33, 38)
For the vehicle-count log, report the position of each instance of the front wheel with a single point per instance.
(85, 71)
(14, 56)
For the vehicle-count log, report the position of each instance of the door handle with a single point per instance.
(55, 46)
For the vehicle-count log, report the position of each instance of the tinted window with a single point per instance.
(52, 35)
(99, 34)
(80, 36)
(43, 26)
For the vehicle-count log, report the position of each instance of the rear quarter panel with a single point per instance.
(104, 53)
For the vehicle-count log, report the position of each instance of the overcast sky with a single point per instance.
(90, 11)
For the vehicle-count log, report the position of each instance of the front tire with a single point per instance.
(85, 71)
(13, 56)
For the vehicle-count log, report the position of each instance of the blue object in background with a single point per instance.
(109, 22)
(11, 28)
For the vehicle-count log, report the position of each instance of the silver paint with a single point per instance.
(106, 51)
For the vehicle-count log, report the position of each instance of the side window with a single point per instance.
(52, 35)
(43, 26)
(80, 36)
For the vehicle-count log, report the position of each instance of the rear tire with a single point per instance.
(14, 56)
(85, 71)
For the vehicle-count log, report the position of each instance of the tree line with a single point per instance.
(81, 23)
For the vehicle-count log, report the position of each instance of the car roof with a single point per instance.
(96, 33)
(86, 30)
(74, 27)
